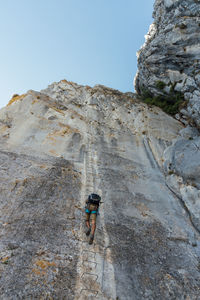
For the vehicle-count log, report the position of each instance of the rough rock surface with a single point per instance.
(171, 53)
(61, 144)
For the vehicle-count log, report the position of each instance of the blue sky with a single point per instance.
(86, 41)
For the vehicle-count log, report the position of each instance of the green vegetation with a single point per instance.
(182, 26)
(170, 103)
(160, 85)
(170, 172)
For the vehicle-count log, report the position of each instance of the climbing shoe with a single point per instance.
(88, 231)
(91, 239)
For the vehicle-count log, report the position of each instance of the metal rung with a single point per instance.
(89, 280)
(90, 274)
(84, 242)
(89, 251)
(90, 291)
(72, 284)
(89, 262)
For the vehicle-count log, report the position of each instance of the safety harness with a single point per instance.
(92, 199)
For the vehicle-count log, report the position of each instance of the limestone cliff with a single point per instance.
(168, 70)
(170, 59)
(61, 144)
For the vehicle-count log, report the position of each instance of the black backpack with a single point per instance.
(94, 199)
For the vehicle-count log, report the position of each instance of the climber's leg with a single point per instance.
(93, 226)
(93, 221)
(87, 223)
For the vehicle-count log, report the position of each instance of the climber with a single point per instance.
(91, 211)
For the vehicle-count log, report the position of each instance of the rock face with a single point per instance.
(171, 54)
(61, 144)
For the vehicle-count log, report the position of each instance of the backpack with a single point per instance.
(94, 199)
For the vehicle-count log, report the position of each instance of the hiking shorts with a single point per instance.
(91, 213)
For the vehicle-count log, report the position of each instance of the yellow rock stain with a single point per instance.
(16, 98)
(44, 264)
(42, 267)
(56, 109)
(5, 259)
(34, 101)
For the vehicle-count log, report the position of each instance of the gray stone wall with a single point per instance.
(59, 145)
(171, 54)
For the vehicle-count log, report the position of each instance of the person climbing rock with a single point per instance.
(91, 211)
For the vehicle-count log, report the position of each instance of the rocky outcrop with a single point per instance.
(61, 144)
(169, 61)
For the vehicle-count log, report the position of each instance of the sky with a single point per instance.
(86, 41)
